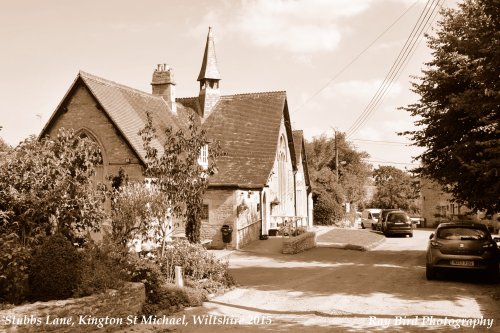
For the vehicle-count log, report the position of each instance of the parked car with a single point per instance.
(382, 217)
(369, 218)
(417, 220)
(397, 222)
(462, 246)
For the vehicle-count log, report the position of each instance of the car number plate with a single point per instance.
(462, 263)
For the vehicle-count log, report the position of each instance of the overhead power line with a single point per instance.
(389, 162)
(383, 142)
(355, 58)
(421, 26)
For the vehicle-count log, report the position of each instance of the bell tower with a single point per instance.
(209, 78)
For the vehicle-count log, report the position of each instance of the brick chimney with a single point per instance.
(163, 85)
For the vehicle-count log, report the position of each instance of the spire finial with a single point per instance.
(209, 68)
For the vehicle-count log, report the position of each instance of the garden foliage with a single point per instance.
(54, 269)
(176, 172)
(46, 186)
(14, 265)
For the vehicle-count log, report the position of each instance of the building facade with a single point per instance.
(262, 180)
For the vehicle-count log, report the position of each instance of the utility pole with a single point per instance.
(336, 158)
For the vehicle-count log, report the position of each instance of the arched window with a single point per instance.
(99, 176)
(282, 174)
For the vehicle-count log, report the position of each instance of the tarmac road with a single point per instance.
(335, 290)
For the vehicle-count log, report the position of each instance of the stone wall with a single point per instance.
(222, 210)
(299, 243)
(82, 113)
(97, 313)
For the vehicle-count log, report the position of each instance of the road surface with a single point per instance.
(335, 290)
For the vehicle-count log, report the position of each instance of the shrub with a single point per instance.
(160, 295)
(198, 265)
(146, 271)
(53, 271)
(100, 268)
(171, 298)
(14, 261)
(299, 231)
(327, 209)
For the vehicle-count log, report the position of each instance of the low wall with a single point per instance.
(97, 313)
(299, 243)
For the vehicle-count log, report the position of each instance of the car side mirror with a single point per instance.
(431, 236)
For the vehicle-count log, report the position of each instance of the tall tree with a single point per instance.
(176, 172)
(329, 193)
(395, 188)
(458, 110)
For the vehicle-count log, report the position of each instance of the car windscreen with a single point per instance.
(376, 215)
(461, 233)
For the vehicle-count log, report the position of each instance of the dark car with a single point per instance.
(397, 222)
(462, 246)
(383, 216)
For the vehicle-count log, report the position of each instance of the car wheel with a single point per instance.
(362, 225)
(430, 272)
(411, 235)
(373, 227)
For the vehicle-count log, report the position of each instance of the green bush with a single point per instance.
(327, 210)
(148, 272)
(53, 271)
(100, 268)
(171, 298)
(161, 297)
(200, 267)
(203, 274)
(14, 261)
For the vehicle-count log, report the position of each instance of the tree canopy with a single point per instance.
(458, 112)
(47, 185)
(329, 193)
(176, 172)
(395, 189)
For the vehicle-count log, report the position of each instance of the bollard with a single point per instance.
(179, 282)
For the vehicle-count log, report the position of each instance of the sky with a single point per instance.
(308, 48)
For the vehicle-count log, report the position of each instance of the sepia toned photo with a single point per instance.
(249, 166)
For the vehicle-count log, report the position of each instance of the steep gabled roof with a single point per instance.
(300, 150)
(126, 108)
(247, 126)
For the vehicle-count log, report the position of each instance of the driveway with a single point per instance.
(330, 290)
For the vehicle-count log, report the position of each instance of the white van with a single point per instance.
(369, 218)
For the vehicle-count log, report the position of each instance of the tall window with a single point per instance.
(99, 169)
(203, 159)
(282, 174)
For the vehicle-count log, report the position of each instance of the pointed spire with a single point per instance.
(209, 69)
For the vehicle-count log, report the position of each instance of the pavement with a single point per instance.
(326, 236)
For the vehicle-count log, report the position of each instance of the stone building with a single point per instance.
(262, 181)
(438, 206)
